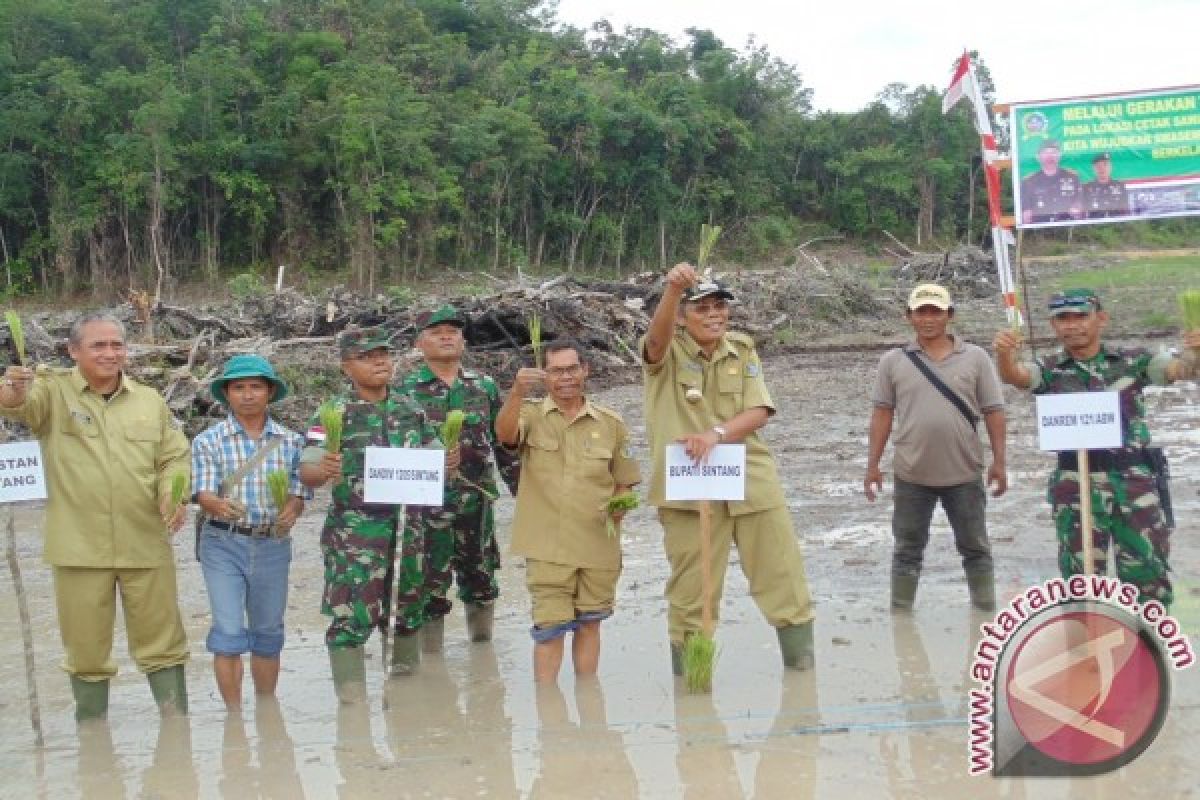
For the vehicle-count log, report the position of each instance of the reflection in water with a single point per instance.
(99, 770)
(449, 736)
(788, 763)
(703, 758)
(275, 774)
(909, 754)
(172, 772)
(580, 760)
(355, 753)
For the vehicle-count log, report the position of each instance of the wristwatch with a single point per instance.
(720, 432)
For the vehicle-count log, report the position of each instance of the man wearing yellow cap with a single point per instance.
(934, 391)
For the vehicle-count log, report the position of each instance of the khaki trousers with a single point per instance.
(87, 606)
(771, 561)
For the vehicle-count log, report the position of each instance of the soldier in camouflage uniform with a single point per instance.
(460, 537)
(359, 540)
(1125, 499)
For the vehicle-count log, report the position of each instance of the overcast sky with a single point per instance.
(848, 50)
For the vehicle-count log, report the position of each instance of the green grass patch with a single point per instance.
(1162, 271)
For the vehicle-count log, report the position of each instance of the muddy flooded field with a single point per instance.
(883, 715)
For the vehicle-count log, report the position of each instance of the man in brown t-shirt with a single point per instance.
(938, 454)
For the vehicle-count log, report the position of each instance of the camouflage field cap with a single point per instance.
(446, 315)
(354, 341)
(1073, 301)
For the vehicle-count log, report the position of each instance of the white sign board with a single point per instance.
(723, 477)
(404, 476)
(21, 475)
(1079, 421)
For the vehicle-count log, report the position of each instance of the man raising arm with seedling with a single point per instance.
(1125, 497)
(111, 452)
(575, 457)
(704, 386)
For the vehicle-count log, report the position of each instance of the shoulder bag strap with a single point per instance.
(946, 391)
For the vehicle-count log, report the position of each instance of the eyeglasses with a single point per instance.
(565, 372)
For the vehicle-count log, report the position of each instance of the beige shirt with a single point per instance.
(934, 445)
(568, 472)
(723, 386)
(107, 463)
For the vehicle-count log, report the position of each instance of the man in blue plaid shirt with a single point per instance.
(245, 546)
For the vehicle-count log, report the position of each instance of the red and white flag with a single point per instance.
(962, 84)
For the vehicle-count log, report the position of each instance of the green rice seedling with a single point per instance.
(17, 332)
(278, 482)
(331, 422)
(535, 339)
(699, 658)
(179, 487)
(626, 501)
(452, 428)
(708, 240)
(1189, 305)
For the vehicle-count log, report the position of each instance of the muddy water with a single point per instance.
(884, 714)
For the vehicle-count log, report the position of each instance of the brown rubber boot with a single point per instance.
(349, 671)
(904, 591)
(982, 588)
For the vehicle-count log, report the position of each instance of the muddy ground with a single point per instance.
(883, 715)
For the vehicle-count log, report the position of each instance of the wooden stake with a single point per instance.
(706, 565)
(1085, 510)
(14, 567)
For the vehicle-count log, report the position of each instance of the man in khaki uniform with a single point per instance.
(575, 455)
(704, 387)
(110, 451)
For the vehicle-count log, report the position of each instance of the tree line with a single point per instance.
(146, 142)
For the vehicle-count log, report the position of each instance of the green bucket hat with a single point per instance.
(248, 366)
(1073, 301)
(353, 341)
(447, 315)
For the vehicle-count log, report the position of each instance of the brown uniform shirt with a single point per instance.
(568, 473)
(933, 443)
(107, 463)
(721, 387)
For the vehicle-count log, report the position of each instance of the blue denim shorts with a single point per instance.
(247, 581)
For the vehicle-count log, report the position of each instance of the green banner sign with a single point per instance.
(1107, 159)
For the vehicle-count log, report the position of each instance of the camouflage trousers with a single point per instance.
(1125, 511)
(358, 578)
(460, 544)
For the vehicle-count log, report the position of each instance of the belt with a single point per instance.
(255, 531)
(1102, 460)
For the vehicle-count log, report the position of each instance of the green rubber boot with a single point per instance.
(796, 645)
(433, 632)
(406, 654)
(904, 591)
(983, 591)
(479, 621)
(91, 699)
(349, 671)
(677, 659)
(169, 687)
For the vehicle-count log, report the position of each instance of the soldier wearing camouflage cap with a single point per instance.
(460, 536)
(1126, 503)
(359, 539)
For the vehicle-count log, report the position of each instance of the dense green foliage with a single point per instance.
(146, 142)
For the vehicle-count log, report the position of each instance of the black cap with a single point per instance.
(1102, 157)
